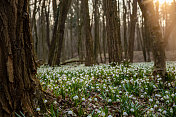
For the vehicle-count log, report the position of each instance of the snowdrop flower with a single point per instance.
(166, 92)
(98, 111)
(148, 112)
(109, 115)
(172, 95)
(155, 106)
(75, 97)
(159, 110)
(125, 114)
(89, 116)
(142, 96)
(55, 102)
(103, 114)
(109, 100)
(164, 112)
(132, 110)
(120, 92)
(150, 100)
(90, 99)
(70, 112)
(157, 102)
(118, 100)
(95, 99)
(130, 96)
(154, 86)
(171, 110)
(45, 101)
(151, 109)
(83, 99)
(38, 109)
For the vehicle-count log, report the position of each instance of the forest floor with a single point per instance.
(170, 56)
(108, 91)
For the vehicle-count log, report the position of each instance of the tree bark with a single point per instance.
(58, 33)
(113, 34)
(158, 48)
(19, 87)
(132, 31)
(87, 31)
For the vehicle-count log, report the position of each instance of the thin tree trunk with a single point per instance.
(58, 33)
(132, 31)
(125, 29)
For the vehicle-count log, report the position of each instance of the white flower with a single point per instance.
(151, 109)
(132, 110)
(38, 109)
(89, 116)
(172, 95)
(109, 100)
(148, 112)
(166, 92)
(125, 114)
(75, 97)
(150, 100)
(98, 111)
(118, 100)
(55, 102)
(95, 99)
(120, 92)
(155, 106)
(142, 96)
(157, 102)
(159, 110)
(171, 110)
(164, 112)
(45, 101)
(117, 95)
(103, 114)
(70, 112)
(90, 99)
(130, 96)
(109, 115)
(83, 99)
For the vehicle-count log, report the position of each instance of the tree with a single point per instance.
(58, 32)
(113, 34)
(87, 31)
(158, 48)
(19, 87)
(132, 31)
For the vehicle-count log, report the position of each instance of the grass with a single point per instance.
(105, 90)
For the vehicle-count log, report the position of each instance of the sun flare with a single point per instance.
(163, 1)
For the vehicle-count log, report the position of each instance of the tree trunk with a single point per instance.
(113, 35)
(87, 31)
(132, 31)
(58, 33)
(158, 48)
(18, 84)
(125, 30)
